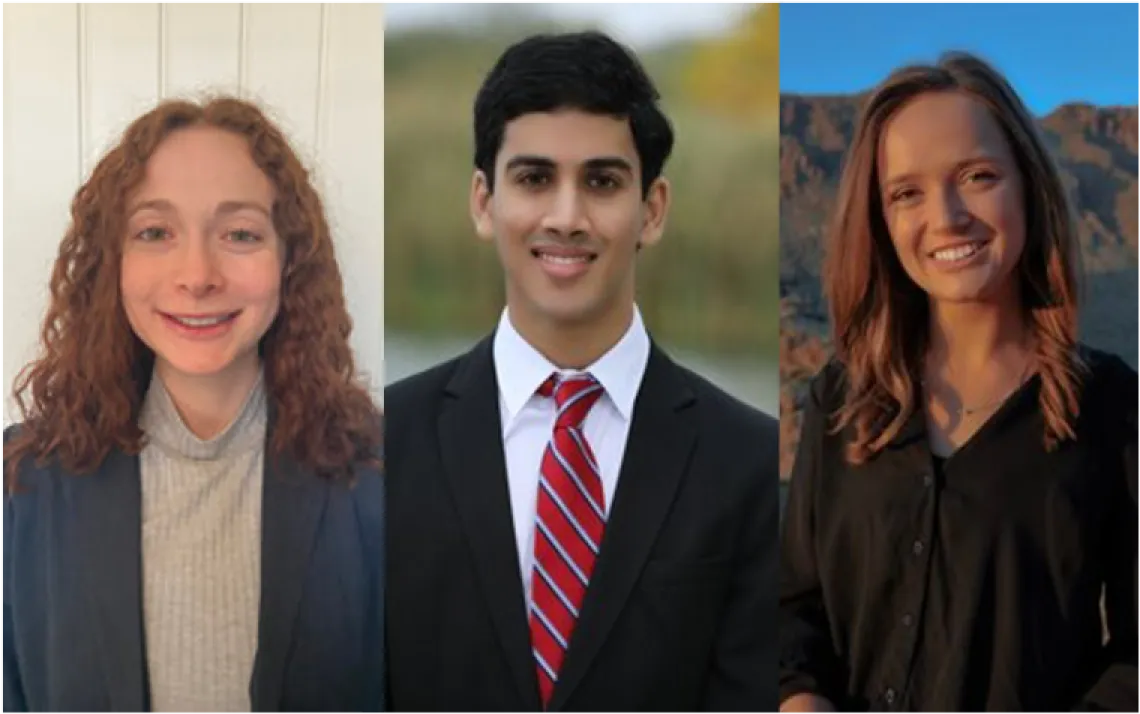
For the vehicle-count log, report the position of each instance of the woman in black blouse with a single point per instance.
(965, 485)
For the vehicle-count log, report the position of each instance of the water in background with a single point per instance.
(754, 382)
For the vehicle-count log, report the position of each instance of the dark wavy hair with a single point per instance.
(81, 398)
(880, 317)
(587, 71)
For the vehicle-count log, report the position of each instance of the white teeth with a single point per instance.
(202, 321)
(565, 259)
(961, 252)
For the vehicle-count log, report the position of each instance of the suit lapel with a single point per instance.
(106, 508)
(470, 440)
(293, 502)
(661, 439)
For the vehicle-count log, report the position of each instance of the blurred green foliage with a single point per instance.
(711, 285)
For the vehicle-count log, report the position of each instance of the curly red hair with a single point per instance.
(81, 398)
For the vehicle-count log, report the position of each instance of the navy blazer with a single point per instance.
(73, 620)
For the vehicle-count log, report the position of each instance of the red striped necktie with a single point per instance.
(569, 523)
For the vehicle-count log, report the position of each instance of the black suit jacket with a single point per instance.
(73, 621)
(681, 611)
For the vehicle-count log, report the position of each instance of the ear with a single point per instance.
(481, 206)
(657, 203)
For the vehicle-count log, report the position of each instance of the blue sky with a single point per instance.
(1051, 53)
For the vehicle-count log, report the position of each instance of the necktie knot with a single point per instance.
(574, 396)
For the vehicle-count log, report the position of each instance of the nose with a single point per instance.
(566, 214)
(949, 213)
(198, 272)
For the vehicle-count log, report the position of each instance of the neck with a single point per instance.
(967, 337)
(573, 345)
(208, 404)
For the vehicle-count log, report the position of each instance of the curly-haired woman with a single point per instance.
(194, 505)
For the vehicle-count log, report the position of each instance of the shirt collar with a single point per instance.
(521, 369)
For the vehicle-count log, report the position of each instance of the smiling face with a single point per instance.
(952, 198)
(567, 215)
(201, 270)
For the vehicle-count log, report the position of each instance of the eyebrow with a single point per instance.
(224, 208)
(977, 159)
(600, 162)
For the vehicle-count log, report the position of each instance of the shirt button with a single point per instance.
(889, 696)
(927, 480)
(907, 620)
(917, 547)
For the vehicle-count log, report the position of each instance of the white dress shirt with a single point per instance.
(528, 418)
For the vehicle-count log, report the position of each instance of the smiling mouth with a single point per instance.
(563, 258)
(958, 253)
(201, 321)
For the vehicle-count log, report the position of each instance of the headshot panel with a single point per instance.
(315, 70)
(193, 353)
(958, 359)
(581, 448)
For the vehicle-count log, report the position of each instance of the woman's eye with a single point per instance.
(151, 234)
(904, 195)
(244, 236)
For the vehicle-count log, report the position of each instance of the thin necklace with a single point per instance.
(970, 411)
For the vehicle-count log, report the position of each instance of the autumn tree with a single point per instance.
(738, 74)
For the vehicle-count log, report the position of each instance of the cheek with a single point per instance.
(1012, 223)
(903, 228)
(1002, 210)
(515, 217)
(621, 224)
(261, 287)
(137, 280)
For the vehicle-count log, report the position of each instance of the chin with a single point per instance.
(563, 308)
(203, 367)
(964, 294)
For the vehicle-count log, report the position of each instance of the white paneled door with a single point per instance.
(76, 75)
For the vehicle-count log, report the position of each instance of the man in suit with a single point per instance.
(575, 521)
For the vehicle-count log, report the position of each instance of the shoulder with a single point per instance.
(737, 447)
(1109, 381)
(28, 473)
(412, 390)
(1110, 388)
(54, 476)
(826, 387)
(723, 411)
(715, 396)
(6, 520)
(12, 431)
(1106, 370)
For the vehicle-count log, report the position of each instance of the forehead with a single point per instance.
(937, 130)
(205, 161)
(568, 137)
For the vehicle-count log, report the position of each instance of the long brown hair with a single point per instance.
(879, 316)
(81, 398)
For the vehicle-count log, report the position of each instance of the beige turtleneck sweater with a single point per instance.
(201, 540)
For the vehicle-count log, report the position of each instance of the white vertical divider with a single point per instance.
(351, 148)
(122, 72)
(281, 56)
(7, 295)
(41, 167)
(201, 49)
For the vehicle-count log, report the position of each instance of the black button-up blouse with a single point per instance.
(970, 583)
